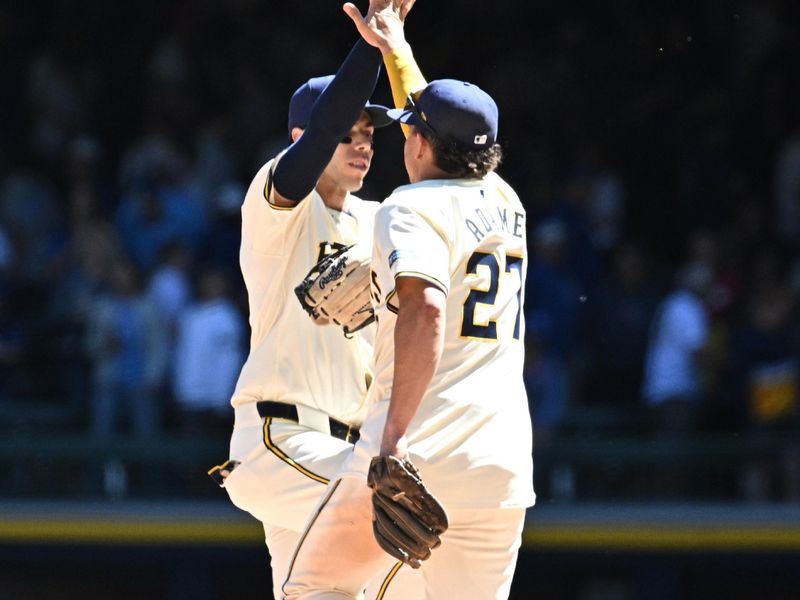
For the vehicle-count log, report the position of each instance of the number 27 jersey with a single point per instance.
(466, 237)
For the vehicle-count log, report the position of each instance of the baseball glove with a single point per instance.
(337, 289)
(407, 519)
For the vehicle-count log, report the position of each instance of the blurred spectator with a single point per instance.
(126, 344)
(214, 165)
(156, 214)
(571, 209)
(621, 317)
(154, 154)
(30, 214)
(764, 377)
(57, 103)
(706, 247)
(601, 197)
(169, 288)
(88, 182)
(221, 248)
(209, 356)
(673, 384)
(79, 271)
(552, 298)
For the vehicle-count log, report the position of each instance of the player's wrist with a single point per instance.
(395, 47)
(394, 445)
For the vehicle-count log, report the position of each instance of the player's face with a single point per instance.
(351, 161)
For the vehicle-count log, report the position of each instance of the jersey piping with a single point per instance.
(388, 580)
(306, 532)
(285, 458)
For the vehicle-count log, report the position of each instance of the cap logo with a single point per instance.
(480, 139)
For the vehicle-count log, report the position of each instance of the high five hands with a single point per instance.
(382, 26)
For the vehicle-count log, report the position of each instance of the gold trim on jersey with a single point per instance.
(305, 533)
(389, 307)
(518, 323)
(472, 289)
(427, 278)
(285, 458)
(388, 580)
(368, 377)
(438, 284)
(268, 193)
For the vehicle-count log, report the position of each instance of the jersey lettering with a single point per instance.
(483, 222)
(469, 328)
(328, 248)
(514, 263)
(375, 289)
(488, 296)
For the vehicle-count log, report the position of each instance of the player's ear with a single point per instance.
(296, 133)
(424, 146)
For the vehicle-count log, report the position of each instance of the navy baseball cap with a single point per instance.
(303, 101)
(453, 110)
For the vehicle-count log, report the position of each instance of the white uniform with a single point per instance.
(468, 238)
(285, 466)
(279, 246)
(471, 435)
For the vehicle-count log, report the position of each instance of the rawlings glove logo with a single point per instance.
(336, 290)
(336, 272)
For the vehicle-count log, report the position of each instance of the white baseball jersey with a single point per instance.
(279, 247)
(471, 436)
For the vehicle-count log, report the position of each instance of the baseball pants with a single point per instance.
(338, 554)
(283, 472)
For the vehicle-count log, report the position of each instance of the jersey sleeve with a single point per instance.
(411, 246)
(265, 225)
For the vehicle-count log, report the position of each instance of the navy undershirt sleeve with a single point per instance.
(334, 112)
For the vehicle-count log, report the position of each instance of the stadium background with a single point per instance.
(642, 139)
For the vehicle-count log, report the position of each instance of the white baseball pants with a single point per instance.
(284, 470)
(338, 554)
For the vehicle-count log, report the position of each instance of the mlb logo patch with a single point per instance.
(393, 257)
(481, 139)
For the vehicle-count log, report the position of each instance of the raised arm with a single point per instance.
(382, 27)
(334, 113)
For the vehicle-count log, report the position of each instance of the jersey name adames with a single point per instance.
(466, 237)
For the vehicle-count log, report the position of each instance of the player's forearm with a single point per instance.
(405, 77)
(334, 113)
(418, 341)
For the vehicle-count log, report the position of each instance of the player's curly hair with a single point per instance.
(462, 162)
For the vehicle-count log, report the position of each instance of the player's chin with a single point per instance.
(356, 181)
(354, 187)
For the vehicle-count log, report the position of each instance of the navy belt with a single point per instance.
(281, 410)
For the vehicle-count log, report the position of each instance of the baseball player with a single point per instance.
(448, 277)
(300, 396)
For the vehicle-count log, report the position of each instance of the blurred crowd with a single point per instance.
(657, 150)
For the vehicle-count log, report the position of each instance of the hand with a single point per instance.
(382, 26)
